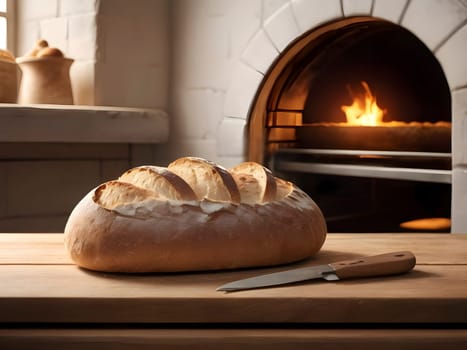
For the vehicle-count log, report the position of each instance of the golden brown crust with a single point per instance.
(154, 235)
(7, 56)
(206, 178)
(105, 195)
(264, 176)
(161, 180)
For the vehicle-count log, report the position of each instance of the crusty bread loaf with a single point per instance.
(147, 222)
(7, 56)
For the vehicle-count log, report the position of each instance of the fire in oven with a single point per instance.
(360, 118)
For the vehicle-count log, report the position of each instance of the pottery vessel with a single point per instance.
(45, 80)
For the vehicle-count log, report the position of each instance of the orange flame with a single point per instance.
(364, 110)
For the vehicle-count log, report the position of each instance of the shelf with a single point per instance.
(362, 153)
(82, 124)
(396, 165)
(411, 174)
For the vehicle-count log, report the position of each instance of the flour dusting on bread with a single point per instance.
(193, 215)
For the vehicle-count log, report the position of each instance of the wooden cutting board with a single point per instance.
(40, 284)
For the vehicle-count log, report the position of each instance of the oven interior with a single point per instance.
(364, 178)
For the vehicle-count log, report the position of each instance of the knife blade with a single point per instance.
(370, 266)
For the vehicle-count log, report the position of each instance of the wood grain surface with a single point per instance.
(41, 284)
(232, 339)
(430, 249)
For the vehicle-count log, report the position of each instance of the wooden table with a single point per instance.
(46, 302)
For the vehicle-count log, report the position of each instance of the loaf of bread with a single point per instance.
(7, 56)
(193, 215)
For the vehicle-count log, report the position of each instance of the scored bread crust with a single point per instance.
(206, 178)
(166, 235)
(263, 175)
(161, 180)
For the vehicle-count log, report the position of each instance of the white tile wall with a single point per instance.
(282, 27)
(82, 37)
(231, 138)
(28, 32)
(433, 20)
(56, 32)
(459, 127)
(311, 13)
(459, 200)
(133, 54)
(130, 85)
(74, 7)
(357, 7)
(33, 9)
(390, 10)
(242, 91)
(453, 57)
(260, 53)
(130, 40)
(201, 44)
(239, 35)
(204, 118)
(49, 19)
(270, 7)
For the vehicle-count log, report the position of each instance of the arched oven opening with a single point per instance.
(357, 112)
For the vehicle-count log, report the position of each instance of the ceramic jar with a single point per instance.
(45, 80)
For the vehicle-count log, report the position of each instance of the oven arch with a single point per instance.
(301, 72)
(445, 34)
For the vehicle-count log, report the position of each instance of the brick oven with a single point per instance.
(294, 79)
(369, 168)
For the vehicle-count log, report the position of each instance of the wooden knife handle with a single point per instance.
(377, 265)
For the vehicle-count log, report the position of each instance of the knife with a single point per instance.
(377, 265)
